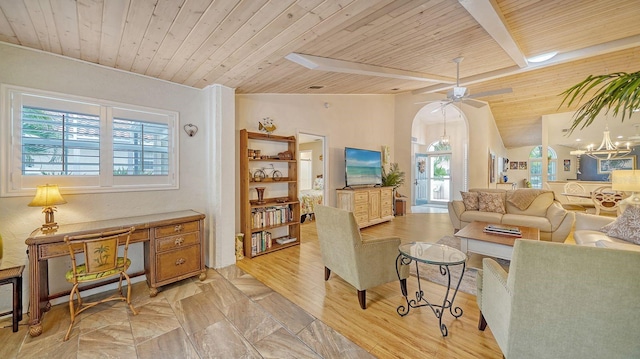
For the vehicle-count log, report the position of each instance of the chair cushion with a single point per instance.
(491, 202)
(625, 227)
(81, 269)
(470, 200)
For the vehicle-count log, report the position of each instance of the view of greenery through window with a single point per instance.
(56, 143)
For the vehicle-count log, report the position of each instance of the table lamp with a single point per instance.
(627, 181)
(47, 196)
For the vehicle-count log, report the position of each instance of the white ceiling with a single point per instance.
(368, 46)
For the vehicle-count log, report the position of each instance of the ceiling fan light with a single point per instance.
(459, 91)
(542, 57)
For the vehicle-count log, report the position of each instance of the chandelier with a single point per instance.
(444, 139)
(606, 150)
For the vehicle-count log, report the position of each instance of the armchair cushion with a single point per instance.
(625, 227)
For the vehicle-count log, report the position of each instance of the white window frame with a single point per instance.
(13, 183)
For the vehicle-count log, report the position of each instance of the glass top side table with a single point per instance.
(433, 254)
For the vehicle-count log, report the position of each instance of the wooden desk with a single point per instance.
(173, 250)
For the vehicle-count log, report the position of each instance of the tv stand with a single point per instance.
(370, 205)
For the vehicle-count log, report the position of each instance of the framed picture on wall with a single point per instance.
(567, 165)
(522, 165)
(492, 168)
(620, 163)
(513, 165)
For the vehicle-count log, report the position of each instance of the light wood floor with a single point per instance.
(298, 274)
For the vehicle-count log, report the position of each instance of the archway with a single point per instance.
(438, 171)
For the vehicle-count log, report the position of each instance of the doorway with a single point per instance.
(433, 176)
(311, 173)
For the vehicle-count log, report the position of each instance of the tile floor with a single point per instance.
(229, 315)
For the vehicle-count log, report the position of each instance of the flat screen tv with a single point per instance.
(362, 167)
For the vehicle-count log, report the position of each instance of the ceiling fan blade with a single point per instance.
(491, 93)
(474, 103)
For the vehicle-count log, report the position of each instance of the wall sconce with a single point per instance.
(190, 129)
(47, 196)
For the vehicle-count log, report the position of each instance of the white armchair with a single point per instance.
(362, 263)
(562, 301)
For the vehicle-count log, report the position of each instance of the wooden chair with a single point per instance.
(101, 262)
(576, 203)
(607, 200)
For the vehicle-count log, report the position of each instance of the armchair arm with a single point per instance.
(496, 300)
(376, 262)
(591, 222)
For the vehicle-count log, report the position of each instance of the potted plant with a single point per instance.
(392, 178)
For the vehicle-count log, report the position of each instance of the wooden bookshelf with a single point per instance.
(278, 216)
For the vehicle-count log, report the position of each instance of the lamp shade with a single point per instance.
(625, 180)
(47, 195)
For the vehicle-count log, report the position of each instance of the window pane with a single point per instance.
(56, 143)
(140, 148)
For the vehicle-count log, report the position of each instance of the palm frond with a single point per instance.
(618, 92)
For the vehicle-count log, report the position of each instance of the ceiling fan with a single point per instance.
(460, 94)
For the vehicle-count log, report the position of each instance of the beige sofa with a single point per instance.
(587, 233)
(562, 301)
(544, 213)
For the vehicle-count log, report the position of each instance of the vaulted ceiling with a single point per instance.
(360, 46)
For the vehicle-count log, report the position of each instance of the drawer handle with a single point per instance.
(177, 228)
(181, 261)
(178, 241)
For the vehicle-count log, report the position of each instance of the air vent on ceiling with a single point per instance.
(315, 87)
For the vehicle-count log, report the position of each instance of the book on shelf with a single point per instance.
(285, 240)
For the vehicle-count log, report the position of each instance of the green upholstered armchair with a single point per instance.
(362, 263)
(563, 301)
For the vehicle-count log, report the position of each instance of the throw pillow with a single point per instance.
(625, 227)
(470, 200)
(491, 202)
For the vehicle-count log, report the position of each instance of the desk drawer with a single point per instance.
(52, 250)
(168, 243)
(174, 229)
(176, 263)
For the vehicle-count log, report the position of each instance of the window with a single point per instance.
(85, 145)
(535, 166)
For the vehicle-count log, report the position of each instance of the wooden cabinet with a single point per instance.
(369, 205)
(177, 252)
(174, 252)
(268, 168)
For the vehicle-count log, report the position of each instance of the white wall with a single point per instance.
(33, 69)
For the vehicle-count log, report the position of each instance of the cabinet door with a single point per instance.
(374, 204)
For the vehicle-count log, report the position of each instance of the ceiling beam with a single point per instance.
(591, 51)
(488, 15)
(332, 65)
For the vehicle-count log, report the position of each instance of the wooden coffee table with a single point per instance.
(474, 239)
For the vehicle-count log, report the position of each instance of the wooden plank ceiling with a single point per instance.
(243, 44)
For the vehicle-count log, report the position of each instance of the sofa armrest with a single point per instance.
(591, 222)
(495, 303)
(456, 208)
